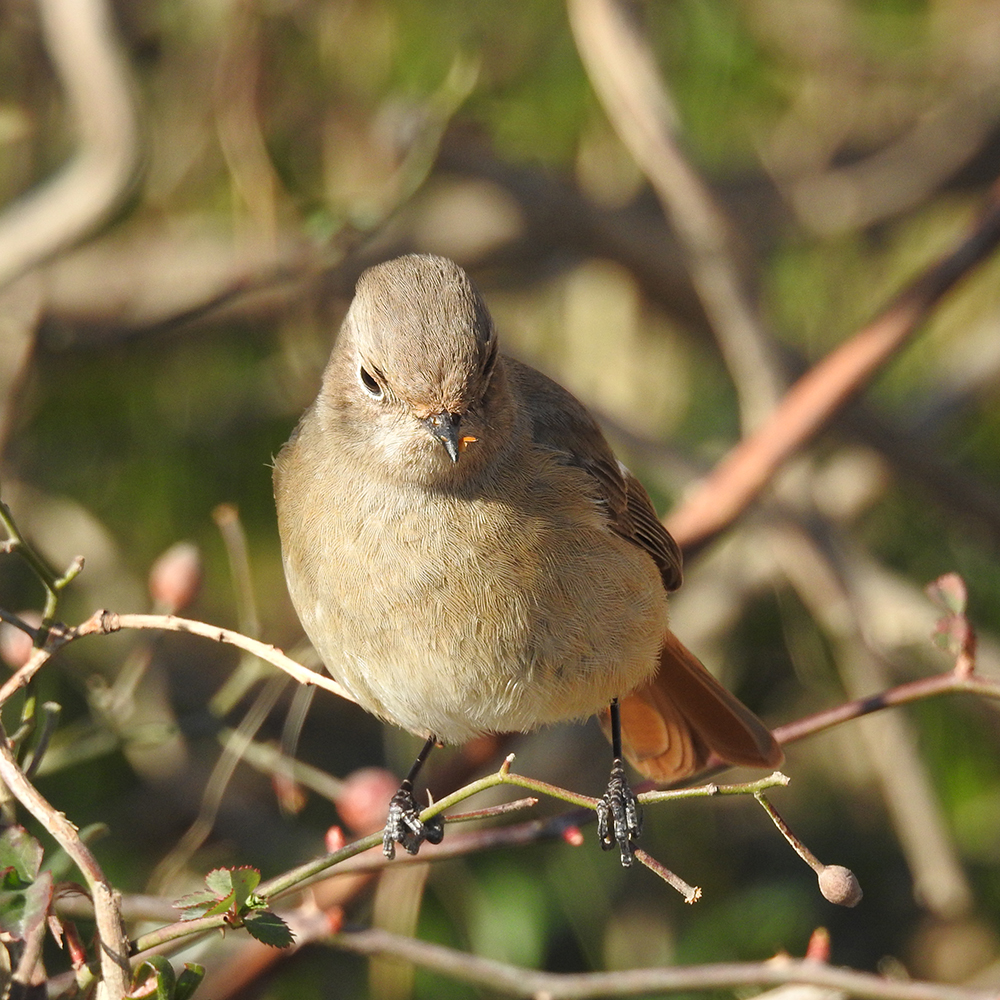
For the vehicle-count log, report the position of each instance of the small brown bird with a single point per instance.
(467, 555)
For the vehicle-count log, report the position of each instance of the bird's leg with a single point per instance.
(619, 817)
(404, 825)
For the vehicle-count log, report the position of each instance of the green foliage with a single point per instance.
(229, 892)
(154, 977)
(25, 890)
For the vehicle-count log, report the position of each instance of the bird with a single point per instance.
(467, 555)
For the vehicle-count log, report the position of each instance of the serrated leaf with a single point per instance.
(245, 880)
(220, 881)
(20, 853)
(269, 929)
(195, 902)
(223, 905)
(188, 981)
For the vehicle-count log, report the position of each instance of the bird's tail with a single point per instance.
(680, 717)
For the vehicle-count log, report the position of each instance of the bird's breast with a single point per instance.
(499, 610)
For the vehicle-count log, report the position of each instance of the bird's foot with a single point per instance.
(619, 817)
(405, 827)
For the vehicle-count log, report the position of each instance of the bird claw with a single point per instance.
(619, 817)
(405, 827)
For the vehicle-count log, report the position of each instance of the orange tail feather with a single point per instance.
(682, 715)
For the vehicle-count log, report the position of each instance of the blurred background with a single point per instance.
(155, 359)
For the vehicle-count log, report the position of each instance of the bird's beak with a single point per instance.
(444, 426)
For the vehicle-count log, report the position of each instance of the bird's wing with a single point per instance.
(562, 423)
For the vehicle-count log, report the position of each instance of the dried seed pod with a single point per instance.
(839, 885)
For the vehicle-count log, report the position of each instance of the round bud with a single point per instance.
(364, 801)
(175, 577)
(16, 645)
(334, 839)
(839, 885)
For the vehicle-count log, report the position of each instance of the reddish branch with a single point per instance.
(919, 690)
(740, 477)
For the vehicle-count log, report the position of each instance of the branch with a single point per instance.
(112, 943)
(53, 584)
(106, 622)
(926, 687)
(81, 42)
(521, 982)
(738, 479)
(623, 71)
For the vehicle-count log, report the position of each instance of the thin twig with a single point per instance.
(489, 812)
(691, 893)
(904, 694)
(786, 831)
(24, 673)
(227, 520)
(270, 760)
(738, 479)
(106, 622)
(521, 982)
(218, 782)
(773, 780)
(53, 583)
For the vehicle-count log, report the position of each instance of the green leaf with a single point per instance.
(22, 910)
(270, 929)
(223, 905)
(154, 977)
(195, 904)
(229, 889)
(244, 881)
(188, 981)
(220, 881)
(20, 855)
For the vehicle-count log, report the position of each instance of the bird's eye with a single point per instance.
(370, 383)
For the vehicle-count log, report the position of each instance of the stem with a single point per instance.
(112, 944)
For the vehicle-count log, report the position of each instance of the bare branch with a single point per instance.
(520, 982)
(84, 49)
(904, 694)
(738, 479)
(624, 74)
(106, 622)
(112, 943)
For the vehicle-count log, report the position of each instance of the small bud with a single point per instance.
(335, 919)
(15, 645)
(290, 795)
(818, 949)
(364, 800)
(334, 839)
(839, 885)
(175, 577)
